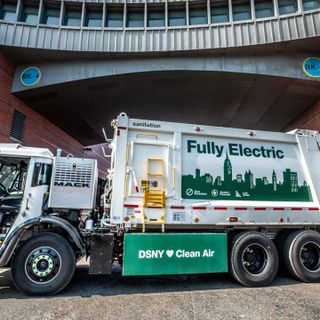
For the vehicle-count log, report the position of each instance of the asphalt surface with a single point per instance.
(179, 297)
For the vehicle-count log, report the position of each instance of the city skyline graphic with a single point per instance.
(245, 186)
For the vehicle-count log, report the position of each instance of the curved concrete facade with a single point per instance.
(298, 25)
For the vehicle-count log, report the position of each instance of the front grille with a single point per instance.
(73, 172)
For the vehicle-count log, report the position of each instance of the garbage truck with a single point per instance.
(179, 199)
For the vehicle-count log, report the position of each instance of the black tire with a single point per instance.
(44, 265)
(254, 259)
(301, 255)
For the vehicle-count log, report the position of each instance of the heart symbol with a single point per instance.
(169, 253)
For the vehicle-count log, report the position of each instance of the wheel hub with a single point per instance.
(310, 256)
(254, 258)
(43, 264)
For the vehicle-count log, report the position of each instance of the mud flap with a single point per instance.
(101, 254)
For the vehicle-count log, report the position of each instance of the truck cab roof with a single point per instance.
(18, 150)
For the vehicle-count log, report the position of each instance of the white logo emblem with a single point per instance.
(214, 192)
(189, 192)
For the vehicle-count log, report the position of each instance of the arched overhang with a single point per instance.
(192, 91)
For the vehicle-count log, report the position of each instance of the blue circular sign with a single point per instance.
(30, 76)
(311, 67)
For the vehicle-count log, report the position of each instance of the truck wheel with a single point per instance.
(254, 259)
(44, 265)
(301, 255)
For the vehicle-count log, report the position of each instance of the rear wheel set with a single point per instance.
(254, 258)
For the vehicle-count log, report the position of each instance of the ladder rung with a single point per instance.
(154, 196)
(155, 159)
(149, 199)
(154, 206)
(154, 222)
(152, 202)
(154, 199)
(155, 174)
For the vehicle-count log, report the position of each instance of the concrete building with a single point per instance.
(68, 67)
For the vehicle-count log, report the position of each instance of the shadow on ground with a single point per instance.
(85, 285)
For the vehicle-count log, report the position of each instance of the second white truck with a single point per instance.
(180, 199)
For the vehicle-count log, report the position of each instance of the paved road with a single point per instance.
(192, 297)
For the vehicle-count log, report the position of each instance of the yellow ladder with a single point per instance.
(154, 196)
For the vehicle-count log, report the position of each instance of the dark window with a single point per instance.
(198, 13)
(51, 16)
(177, 15)
(156, 16)
(30, 14)
(311, 4)
(241, 10)
(219, 12)
(73, 18)
(94, 18)
(264, 8)
(8, 12)
(13, 175)
(17, 126)
(114, 17)
(135, 17)
(41, 174)
(287, 6)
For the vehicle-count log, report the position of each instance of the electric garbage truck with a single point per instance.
(179, 199)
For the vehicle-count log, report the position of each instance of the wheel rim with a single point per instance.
(43, 265)
(254, 258)
(310, 256)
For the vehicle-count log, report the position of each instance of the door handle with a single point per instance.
(27, 204)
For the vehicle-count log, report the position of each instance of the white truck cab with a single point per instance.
(25, 175)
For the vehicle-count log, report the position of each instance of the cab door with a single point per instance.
(36, 184)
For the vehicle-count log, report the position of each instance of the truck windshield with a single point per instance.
(12, 176)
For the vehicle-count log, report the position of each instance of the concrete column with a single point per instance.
(166, 15)
(230, 10)
(125, 15)
(253, 9)
(62, 13)
(83, 14)
(187, 13)
(40, 11)
(145, 14)
(300, 6)
(104, 14)
(276, 8)
(19, 10)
